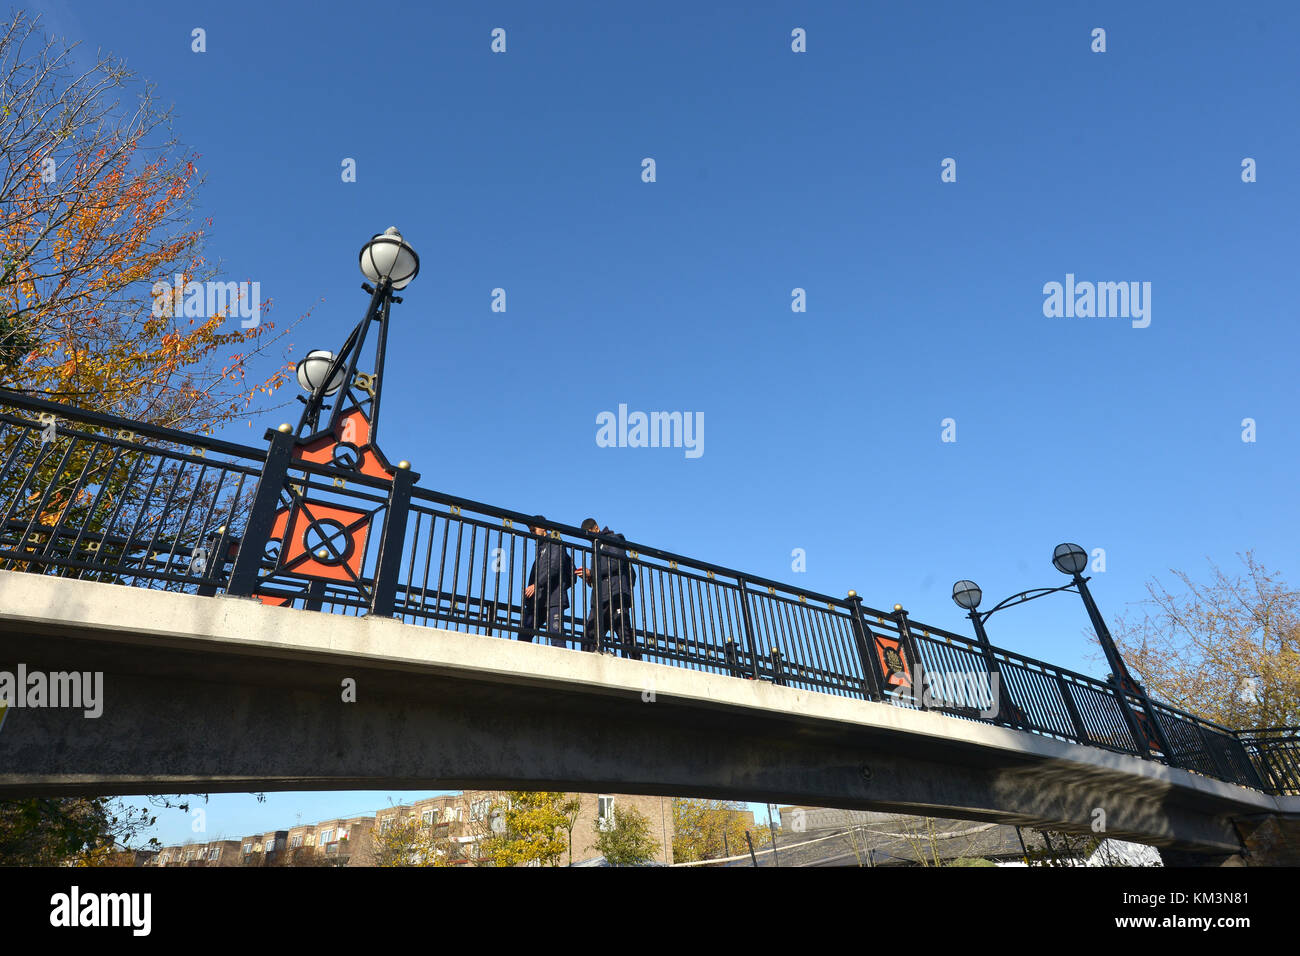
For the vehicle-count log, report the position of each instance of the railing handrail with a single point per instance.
(524, 519)
(1188, 715)
(1253, 731)
(108, 420)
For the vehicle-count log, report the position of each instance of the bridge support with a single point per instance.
(1267, 840)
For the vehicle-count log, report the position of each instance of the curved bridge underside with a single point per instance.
(204, 694)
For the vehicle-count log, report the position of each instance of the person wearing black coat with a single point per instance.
(546, 594)
(614, 576)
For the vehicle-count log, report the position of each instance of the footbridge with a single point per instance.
(180, 614)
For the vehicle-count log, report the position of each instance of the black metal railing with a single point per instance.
(101, 498)
(466, 567)
(1276, 752)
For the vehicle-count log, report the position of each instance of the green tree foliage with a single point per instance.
(533, 831)
(626, 839)
(52, 831)
(410, 843)
(710, 829)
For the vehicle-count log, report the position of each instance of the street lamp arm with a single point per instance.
(1022, 597)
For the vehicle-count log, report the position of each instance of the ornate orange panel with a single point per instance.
(340, 531)
(893, 662)
(348, 447)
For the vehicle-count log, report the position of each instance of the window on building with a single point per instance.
(327, 836)
(214, 853)
(605, 812)
(427, 818)
(248, 848)
(270, 845)
(310, 839)
(295, 842)
(385, 825)
(478, 809)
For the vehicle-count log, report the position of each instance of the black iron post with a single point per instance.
(908, 646)
(315, 402)
(1005, 715)
(381, 351)
(315, 595)
(391, 542)
(873, 677)
(261, 519)
(749, 628)
(1120, 677)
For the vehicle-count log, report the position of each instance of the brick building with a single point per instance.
(456, 824)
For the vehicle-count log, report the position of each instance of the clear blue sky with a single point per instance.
(778, 170)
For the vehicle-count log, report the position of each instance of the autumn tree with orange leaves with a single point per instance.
(96, 206)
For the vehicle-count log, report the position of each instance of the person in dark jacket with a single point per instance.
(613, 577)
(546, 594)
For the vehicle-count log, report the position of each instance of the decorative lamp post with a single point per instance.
(390, 263)
(1071, 559)
(297, 541)
(967, 596)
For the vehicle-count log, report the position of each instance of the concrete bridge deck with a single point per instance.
(214, 694)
